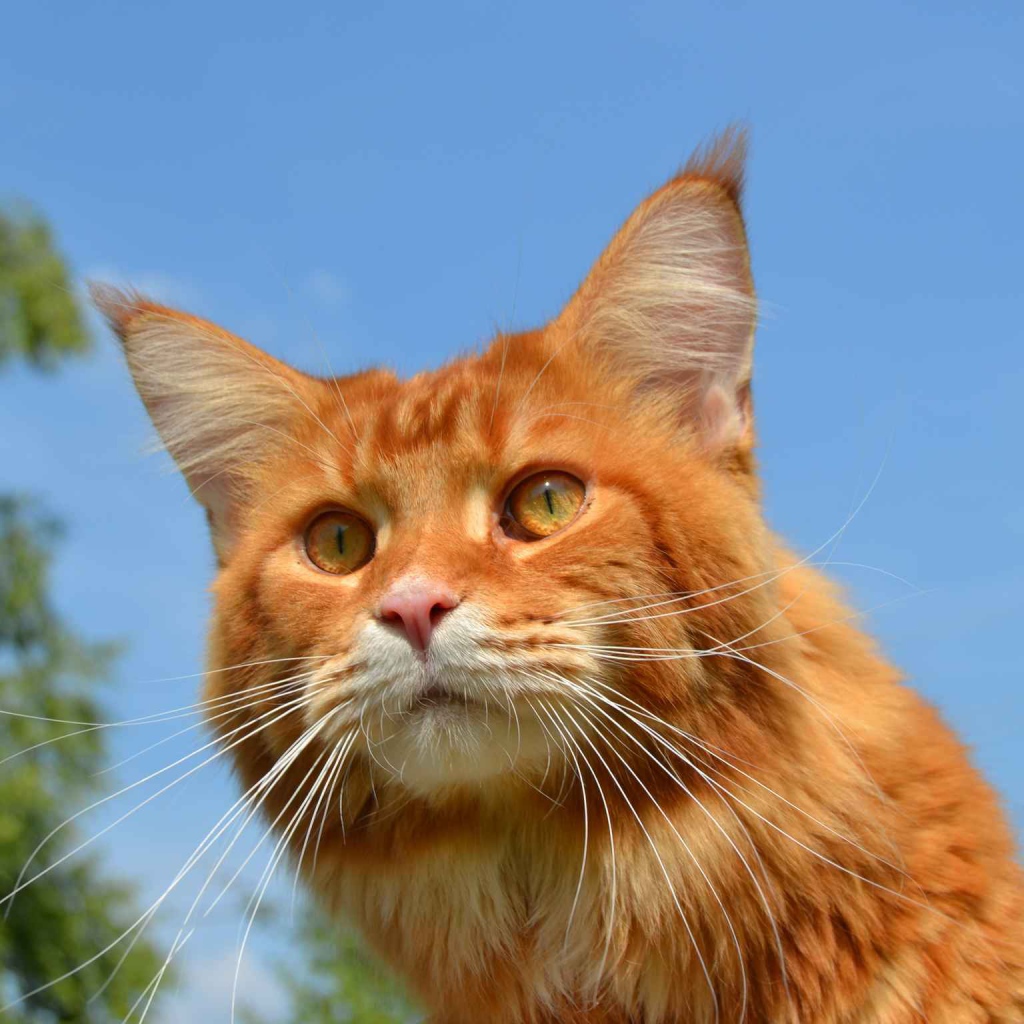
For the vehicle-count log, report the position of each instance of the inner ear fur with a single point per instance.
(216, 401)
(671, 300)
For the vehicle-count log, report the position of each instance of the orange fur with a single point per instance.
(787, 832)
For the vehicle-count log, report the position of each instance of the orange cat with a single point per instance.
(537, 699)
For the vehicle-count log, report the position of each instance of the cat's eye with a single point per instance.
(339, 542)
(543, 504)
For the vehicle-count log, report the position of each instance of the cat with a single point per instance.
(535, 698)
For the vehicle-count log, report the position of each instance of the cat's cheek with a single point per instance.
(313, 606)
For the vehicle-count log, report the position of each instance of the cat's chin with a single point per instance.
(446, 744)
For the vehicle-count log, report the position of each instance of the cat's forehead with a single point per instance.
(424, 441)
(447, 432)
(438, 408)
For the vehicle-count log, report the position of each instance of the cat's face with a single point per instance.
(452, 628)
(441, 576)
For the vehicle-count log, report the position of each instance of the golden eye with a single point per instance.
(339, 542)
(543, 504)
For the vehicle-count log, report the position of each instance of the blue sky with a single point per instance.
(393, 182)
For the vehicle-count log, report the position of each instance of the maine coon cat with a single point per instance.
(535, 698)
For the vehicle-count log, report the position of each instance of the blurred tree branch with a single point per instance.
(65, 919)
(40, 320)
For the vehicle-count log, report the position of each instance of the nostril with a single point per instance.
(440, 609)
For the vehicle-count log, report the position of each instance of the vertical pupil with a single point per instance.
(547, 498)
(339, 536)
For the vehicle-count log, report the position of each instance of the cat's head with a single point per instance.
(444, 576)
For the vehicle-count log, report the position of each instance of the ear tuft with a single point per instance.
(722, 161)
(121, 307)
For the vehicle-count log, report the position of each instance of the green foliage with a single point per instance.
(39, 318)
(74, 912)
(339, 983)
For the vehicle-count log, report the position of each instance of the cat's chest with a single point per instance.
(451, 899)
(520, 920)
(455, 912)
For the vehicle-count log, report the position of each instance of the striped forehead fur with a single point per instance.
(437, 409)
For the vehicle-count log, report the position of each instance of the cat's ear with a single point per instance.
(216, 401)
(671, 300)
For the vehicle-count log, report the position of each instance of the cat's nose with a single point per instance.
(417, 606)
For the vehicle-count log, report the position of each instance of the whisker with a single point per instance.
(151, 989)
(631, 614)
(661, 863)
(271, 779)
(718, 786)
(832, 622)
(276, 857)
(830, 719)
(324, 785)
(680, 595)
(147, 916)
(235, 706)
(590, 694)
(548, 738)
(331, 785)
(807, 558)
(731, 762)
(556, 721)
(160, 715)
(255, 801)
(20, 884)
(252, 800)
(586, 844)
(608, 651)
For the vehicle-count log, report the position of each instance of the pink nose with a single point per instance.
(417, 606)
